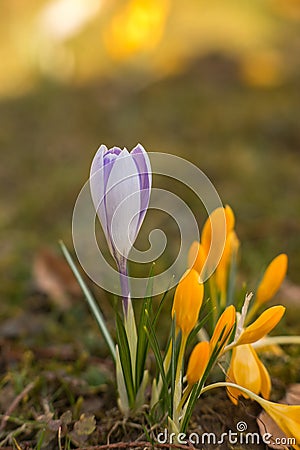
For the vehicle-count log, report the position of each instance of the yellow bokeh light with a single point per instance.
(138, 27)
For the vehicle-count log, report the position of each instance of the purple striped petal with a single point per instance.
(142, 162)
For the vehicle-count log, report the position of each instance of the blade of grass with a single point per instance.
(91, 302)
(173, 363)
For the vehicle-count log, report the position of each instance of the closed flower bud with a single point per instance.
(187, 301)
(223, 328)
(197, 362)
(196, 257)
(120, 185)
(272, 279)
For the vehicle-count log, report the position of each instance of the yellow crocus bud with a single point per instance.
(197, 362)
(196, 257)
(187, 301)
(262, 325)
(248, 371)
(272, 279)
(223, 328)
(215, 221)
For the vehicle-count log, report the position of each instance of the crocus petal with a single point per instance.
(196, 257)
(223, 328)
(212, 222)
(232, 392)
(230, 219)
(187, 301)
(230, 250)
(142, 162)
(100, 170)
(262, 325)
(197, 362)
(245, 368)
(122, 198)
(272, 279)
(215, 220)
(265, 388)
(98, 186)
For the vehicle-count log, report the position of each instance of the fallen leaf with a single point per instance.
(53, 276)
(292, 396)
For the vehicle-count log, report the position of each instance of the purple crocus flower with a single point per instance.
(120, 185)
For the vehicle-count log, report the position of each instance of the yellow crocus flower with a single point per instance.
(197, 362)
(272, 279)
(287, 418)
(187, 301)
(248, 371)
(262, 325)
(223, 328)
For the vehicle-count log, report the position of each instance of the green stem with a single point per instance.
(177, 391)
(180, 358)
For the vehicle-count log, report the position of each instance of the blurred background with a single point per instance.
(214, 82)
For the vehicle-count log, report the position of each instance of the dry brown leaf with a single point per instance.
(292, 395)
(267, 425)
(53, 276)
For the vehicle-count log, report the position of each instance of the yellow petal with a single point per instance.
(187, 301)
(272, 279)
(197, 362)
(223, 328)
(196, 257)
(262, 325)
(265, 388)
(245, 368)
(231, 247)
(217, 220)
(230, 219)
(232, 392)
